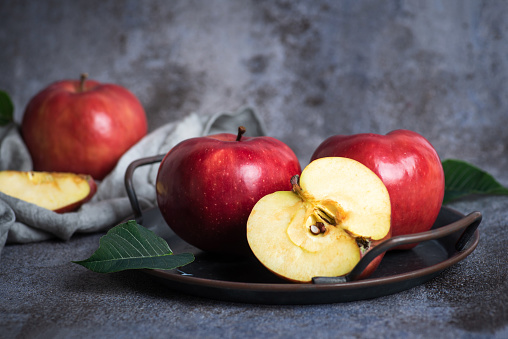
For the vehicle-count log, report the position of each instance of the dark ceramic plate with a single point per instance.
(454, 236)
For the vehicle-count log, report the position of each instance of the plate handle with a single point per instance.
(129, 186)
(469, 223)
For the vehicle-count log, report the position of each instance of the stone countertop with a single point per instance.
(44, 295)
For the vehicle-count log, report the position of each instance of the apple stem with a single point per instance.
(82, 80)
(241, 131)
(297, 189)
(295, 182)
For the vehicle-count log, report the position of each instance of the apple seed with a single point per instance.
(318, 228)
(321, 226)
(326, 217)
(314, 229)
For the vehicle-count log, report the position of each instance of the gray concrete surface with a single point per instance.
(312, 69)
(44, 295)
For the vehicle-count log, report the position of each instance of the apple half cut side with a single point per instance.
(59, 192)
(338, 210)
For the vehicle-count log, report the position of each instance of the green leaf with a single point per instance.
(462, 179)
(130, 246)
(6, 109)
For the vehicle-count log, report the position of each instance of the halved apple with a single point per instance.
(337, 210)
(59, 192)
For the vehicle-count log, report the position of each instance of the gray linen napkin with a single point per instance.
(22, 222)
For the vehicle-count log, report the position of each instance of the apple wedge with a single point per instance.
(59, 192)
(337, 210)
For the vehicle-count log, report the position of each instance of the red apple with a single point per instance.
(82, 126)
(407, 164)
(207, 186)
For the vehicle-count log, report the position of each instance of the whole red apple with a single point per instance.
(408, 165)
(207, 186)
(82, 126)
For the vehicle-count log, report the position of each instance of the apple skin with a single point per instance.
(408, 165)
(82, 126)
(207, 186)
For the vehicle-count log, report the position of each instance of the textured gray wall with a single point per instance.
(311, 68)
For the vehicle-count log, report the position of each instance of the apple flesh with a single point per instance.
(207, 186)
(59, 192)
(82, 126)
(408, 165)
(324, 225)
